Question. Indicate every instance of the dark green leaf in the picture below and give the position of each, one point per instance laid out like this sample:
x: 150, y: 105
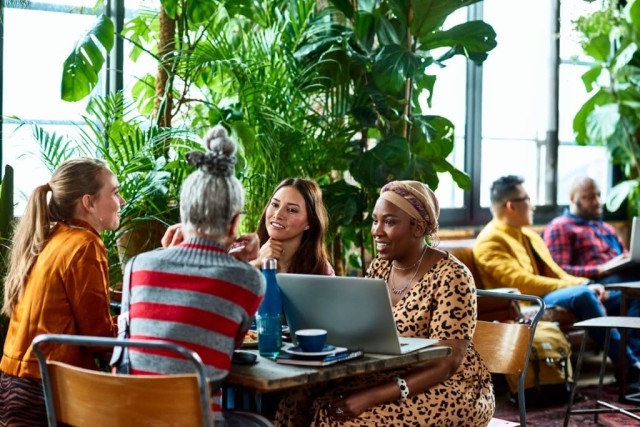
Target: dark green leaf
x: 81, y: 68
x: 364, y: 29
x: 429, y: 15
x: 591, y: 76
x: 343, y: 203
x: 394, y: 65
x: 344, y: 6
x: 601, y: 97
x: 474, y: 36
x: 602, y: 123
x: 386, y: 32
x: 598, y: 47
x: 618, y: 194
x: 385, y: 162
x: 200, y: 11
x: 170, y: 7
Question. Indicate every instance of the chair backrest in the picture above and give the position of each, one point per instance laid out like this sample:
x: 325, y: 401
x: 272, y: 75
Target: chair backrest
x: 505, y: 347
x: 78, y: 396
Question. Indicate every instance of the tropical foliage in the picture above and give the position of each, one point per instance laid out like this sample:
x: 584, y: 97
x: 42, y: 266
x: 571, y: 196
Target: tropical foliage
x: 149, y: 176
x: 328, y: 93
x: 611, y: 117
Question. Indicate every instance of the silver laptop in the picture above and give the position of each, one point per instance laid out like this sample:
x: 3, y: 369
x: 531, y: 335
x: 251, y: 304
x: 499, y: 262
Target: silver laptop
x: 356, y: 312
x: 633, y: 256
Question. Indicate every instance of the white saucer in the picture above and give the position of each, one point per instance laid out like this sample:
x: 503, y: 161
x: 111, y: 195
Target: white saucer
x: 327, y: 350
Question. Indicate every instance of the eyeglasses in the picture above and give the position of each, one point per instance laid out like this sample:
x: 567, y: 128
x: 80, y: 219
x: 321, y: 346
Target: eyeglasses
x: 520, y: 199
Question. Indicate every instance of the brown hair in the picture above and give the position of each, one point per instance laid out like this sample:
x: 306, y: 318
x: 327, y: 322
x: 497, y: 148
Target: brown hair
x: 311, y: 257
x: 69, y: 182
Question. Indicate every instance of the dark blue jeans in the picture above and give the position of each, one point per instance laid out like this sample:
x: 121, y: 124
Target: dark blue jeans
x: 584, y: 303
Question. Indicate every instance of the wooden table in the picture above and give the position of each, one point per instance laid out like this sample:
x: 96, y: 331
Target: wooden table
x: 268, y: 376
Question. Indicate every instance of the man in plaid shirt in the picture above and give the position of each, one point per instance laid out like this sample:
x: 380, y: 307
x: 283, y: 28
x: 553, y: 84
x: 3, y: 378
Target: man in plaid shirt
x: 580, y: 241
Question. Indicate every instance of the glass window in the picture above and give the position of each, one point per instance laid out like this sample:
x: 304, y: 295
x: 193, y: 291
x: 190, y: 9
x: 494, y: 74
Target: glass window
x: 574, y: 160
x: 449, y: 100
x: 32, y: 76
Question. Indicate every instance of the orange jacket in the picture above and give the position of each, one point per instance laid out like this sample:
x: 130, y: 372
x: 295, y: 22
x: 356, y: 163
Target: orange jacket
x: 67, y: 292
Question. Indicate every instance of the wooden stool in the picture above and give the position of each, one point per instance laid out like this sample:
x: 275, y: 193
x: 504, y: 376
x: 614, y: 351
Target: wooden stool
x: 608, y: 322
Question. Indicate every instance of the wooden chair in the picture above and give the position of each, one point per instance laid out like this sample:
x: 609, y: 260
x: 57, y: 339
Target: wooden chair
x: 83, y: 397
x: 505, y: 347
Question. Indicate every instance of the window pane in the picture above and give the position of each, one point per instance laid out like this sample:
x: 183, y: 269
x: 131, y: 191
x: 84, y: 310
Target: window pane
x: 575, y: 161
x: 32, y: 77
x: 570, y: 10
x: 449, y: 100
x: 517, y: 97
x: 498, y: 158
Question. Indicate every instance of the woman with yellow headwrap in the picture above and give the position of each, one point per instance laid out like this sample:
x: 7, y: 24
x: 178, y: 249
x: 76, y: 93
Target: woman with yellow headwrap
x: 433, y: 296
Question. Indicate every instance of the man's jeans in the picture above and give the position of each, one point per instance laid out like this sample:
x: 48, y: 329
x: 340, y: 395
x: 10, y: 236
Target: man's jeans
x: 584, y: 303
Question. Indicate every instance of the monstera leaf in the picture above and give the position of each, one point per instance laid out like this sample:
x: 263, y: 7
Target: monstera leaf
x: 82, y: 67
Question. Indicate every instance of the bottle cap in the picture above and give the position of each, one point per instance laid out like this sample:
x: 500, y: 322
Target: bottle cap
x: 269, y: 264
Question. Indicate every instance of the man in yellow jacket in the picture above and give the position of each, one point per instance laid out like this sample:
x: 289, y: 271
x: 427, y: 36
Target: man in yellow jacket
x: 509, y: 254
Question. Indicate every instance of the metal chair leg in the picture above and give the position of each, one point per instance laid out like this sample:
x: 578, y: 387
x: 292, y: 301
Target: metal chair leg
x: 576, y: 375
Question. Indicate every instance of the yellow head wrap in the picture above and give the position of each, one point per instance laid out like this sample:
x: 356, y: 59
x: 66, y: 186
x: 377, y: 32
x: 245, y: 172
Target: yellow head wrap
x: 416, y: 199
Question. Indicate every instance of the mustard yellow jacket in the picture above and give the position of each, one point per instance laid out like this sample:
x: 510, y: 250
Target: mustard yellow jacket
x: 67, y: 292
x: 503, y: 261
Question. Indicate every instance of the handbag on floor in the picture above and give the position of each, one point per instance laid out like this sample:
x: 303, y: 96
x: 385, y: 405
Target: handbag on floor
x: 120, y: 362
x: 549, y: 374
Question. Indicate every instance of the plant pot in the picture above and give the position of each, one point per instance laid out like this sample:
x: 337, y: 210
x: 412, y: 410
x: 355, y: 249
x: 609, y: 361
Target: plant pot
x: 140, y: 236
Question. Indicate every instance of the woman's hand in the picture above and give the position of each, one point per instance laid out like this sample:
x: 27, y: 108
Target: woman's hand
x: 351, y: 406
x: 245, y: 247
x: 600, y: 291
x: 173, y: 236
x: 271, y: 249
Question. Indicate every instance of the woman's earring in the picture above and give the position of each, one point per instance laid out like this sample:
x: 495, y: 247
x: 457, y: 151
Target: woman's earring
x: 307, y: 227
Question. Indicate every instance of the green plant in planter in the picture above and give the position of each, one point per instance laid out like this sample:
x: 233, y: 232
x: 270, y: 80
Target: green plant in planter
x: 374, y: 58
x: 611, y: 117
x: 150, y: 176
x: 318, y: 93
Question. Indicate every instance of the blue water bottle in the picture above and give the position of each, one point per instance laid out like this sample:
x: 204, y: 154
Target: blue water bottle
x: 269, y: 316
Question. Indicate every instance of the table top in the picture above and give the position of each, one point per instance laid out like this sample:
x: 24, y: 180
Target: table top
x: 610, y: 322
x: 631, y: 288
x: 267, y: 375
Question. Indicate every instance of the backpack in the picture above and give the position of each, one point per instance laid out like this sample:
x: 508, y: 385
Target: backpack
x: 549, y: 375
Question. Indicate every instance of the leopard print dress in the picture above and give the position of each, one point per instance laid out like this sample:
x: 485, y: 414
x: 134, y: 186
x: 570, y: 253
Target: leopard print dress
x: 441, y: 305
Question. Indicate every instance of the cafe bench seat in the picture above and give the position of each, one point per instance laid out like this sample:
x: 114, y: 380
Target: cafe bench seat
x: 494, y: 309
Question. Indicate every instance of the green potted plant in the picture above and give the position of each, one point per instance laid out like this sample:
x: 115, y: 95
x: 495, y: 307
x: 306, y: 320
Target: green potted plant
x: 150, y: 176
x: 611, y: 116
x: 314, y: 91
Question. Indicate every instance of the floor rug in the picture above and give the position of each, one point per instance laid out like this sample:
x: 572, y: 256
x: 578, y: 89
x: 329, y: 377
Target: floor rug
x: 553, y: 416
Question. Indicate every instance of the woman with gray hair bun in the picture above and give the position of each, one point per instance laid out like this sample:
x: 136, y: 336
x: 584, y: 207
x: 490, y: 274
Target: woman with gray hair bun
x: 195, y: 293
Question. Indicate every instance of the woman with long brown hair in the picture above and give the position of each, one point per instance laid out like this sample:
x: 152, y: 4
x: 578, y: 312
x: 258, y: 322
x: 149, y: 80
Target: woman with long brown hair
x: 292, y: 228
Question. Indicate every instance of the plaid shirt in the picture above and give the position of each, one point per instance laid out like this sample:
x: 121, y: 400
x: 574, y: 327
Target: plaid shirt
x: 580, y: 245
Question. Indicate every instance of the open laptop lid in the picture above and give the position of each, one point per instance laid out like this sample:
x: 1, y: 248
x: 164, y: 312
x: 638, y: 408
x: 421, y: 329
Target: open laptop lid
x: 355, y: 311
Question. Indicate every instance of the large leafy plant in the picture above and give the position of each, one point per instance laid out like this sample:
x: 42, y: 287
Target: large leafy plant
x: 326, y: 93
x: 373, y: 59
x: 611, y: 117
x: 149, y: 176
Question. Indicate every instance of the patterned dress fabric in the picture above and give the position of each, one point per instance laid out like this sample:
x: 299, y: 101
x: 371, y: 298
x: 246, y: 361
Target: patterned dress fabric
x: 441, y: 305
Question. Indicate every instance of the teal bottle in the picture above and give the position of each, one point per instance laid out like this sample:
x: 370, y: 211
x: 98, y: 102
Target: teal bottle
x: 269, y: 316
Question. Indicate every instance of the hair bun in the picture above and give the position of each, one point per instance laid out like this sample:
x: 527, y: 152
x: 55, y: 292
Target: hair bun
x: 220, y: 158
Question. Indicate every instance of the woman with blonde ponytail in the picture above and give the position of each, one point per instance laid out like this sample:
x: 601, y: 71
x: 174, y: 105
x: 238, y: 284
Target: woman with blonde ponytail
x: 57, y: 280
